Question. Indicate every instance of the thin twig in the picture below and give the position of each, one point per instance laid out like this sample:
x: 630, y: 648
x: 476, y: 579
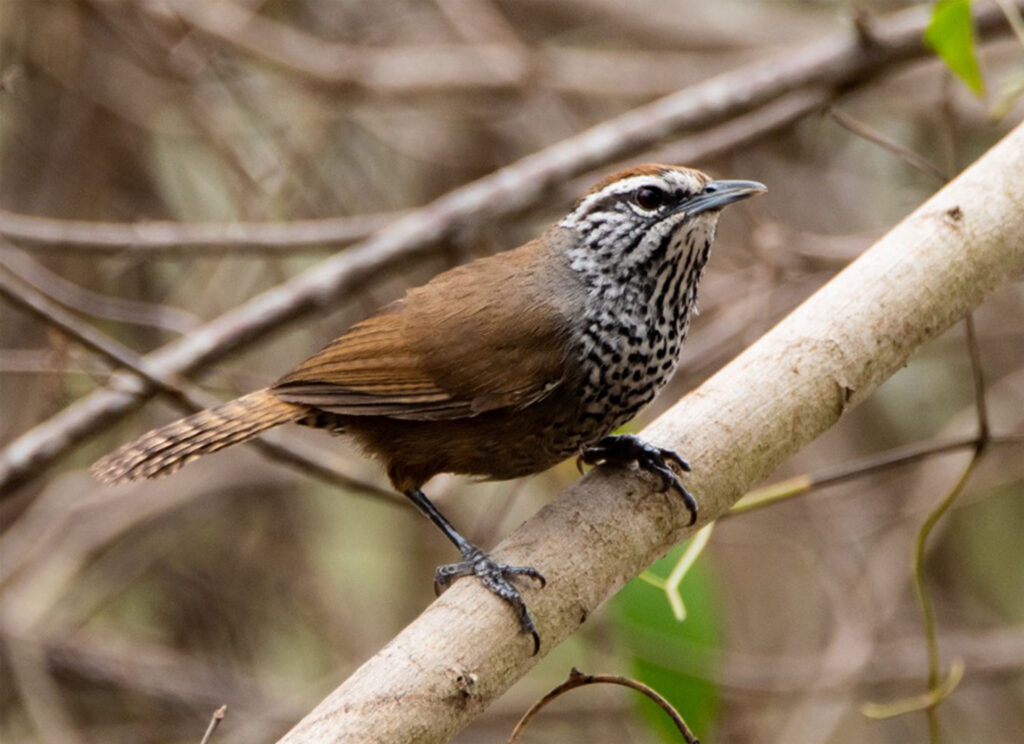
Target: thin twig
x: 95, y: 304
x: 215, y: 719
x: 926, y: 701
x: 152, y: 670
x: 190, y: 239
x: 186, y: 396
x: 578, y: 679
x: 908, y: 156
x: 923, y: 598
x: 797, y: 485
x: 1013, y: 17
x: 493, y: 66
x: 724, y: 138
x: 480, y: 22
x: 49, y: 362
x: 259, y: 239
x: 978, y: 378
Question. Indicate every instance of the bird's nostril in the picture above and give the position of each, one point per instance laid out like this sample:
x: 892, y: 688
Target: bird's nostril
x: 711, y: 188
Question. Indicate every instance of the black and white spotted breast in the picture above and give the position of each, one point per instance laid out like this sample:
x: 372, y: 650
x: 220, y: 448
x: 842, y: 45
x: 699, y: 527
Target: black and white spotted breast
x: 634, y: 333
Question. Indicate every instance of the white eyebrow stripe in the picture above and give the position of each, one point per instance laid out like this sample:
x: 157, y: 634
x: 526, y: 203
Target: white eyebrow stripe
x: 668, y: 179
x: 630, y: 184
x: 617, y: 188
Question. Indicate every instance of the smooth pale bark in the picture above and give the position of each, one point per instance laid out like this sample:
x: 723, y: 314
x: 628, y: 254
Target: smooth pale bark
x: 795, y: 382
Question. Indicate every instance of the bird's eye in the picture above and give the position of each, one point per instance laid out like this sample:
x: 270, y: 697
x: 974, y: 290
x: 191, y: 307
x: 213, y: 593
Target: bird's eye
x: 649, y: 197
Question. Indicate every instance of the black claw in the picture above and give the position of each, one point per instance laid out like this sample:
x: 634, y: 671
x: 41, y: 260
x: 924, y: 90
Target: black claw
x: 674, y: 457
x: 626, y: 448
x: 476, y: 562
x: 495, y: 576
x: 530, y: 571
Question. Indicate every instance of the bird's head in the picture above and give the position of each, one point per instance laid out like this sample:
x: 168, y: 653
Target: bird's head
x: 637, y: 219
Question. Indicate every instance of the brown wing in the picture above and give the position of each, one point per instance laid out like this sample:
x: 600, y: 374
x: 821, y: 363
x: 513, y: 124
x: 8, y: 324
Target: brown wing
x: 476, y: 338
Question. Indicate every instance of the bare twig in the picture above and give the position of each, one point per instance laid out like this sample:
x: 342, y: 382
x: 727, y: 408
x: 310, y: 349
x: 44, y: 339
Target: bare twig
x: 188, y: 397
x: 920, y: 587
x: 908, y: 156
x: 579, y: 679
x: 924, y: 599
x: 978, y: 378
x: 1013, y: 17
x: 39, y: 692
x: 727, y: 137
x: 259, y: 239
x: 480, y: 21
x: 836, y: 63
x: 495, y: 65
x: 148, y: 669
x: 905, y: 455
x: 703, y: 27
x: 215, y: 719
x: 92, y: 303
x: 176, y: 238
x: 48, y: 361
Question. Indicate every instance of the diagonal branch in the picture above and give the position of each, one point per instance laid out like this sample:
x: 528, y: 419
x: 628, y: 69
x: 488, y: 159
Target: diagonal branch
x: 176, y: 238
x: 785, y: 390
x: 188, y: 397
x: 262, y: 239
x: 835, y: 63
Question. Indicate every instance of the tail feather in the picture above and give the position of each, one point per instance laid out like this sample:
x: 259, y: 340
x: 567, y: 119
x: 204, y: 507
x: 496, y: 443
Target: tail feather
x: 168, y: 448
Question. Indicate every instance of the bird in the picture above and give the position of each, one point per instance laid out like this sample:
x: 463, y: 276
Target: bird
x: 504, y: 366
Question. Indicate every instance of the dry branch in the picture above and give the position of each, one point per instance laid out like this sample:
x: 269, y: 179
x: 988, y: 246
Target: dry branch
x: 498, y: 65
x: 836, y: 63
x: 258, y: 239
x: 159, y: 236
x: 828, y: 355
x: 188, y: 397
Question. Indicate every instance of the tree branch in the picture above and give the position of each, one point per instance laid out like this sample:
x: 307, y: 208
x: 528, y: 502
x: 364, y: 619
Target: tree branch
x: 197, y: 238
x: 492, y: 65
x: 794, y: 383
x: 188, y: 397
x: 262, y: 239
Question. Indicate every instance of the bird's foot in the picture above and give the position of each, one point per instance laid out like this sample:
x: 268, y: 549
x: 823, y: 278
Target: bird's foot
x: 495, y: 576
x: 624, y: 449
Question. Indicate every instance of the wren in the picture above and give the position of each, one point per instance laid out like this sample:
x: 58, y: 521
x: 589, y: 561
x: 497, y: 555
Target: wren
x: 502, y: 367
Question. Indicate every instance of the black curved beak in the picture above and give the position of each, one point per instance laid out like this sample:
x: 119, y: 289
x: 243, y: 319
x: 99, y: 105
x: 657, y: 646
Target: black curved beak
x: 719, y: 194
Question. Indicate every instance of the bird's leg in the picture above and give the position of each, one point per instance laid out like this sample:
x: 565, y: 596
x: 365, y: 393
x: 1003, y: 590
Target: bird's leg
x: 475, y: 561
x: 623, y: 449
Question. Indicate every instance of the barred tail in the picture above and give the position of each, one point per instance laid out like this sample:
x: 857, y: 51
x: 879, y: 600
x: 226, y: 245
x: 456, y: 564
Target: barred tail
x: 164, y: 450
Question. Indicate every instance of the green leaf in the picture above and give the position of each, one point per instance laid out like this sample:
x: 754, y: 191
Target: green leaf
x: 678, y: 659
x: 951, y: 34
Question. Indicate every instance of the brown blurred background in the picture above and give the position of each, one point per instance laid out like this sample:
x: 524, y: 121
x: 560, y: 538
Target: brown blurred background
x: 129, y: 615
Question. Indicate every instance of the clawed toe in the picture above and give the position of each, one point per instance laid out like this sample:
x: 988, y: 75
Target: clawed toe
x: 475, y: 562
x: 495, y: 576
x: 626, y: 448
x: 672, y: 455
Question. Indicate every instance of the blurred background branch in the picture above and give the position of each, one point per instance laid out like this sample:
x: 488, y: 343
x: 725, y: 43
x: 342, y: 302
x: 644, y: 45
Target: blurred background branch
x: 189, y: 398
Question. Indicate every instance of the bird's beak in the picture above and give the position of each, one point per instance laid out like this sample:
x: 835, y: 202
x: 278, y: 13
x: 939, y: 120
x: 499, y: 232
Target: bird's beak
x: 718, y: 194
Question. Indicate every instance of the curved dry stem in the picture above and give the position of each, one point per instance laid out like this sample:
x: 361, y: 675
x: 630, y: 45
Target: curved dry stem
x: 579, y: 679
